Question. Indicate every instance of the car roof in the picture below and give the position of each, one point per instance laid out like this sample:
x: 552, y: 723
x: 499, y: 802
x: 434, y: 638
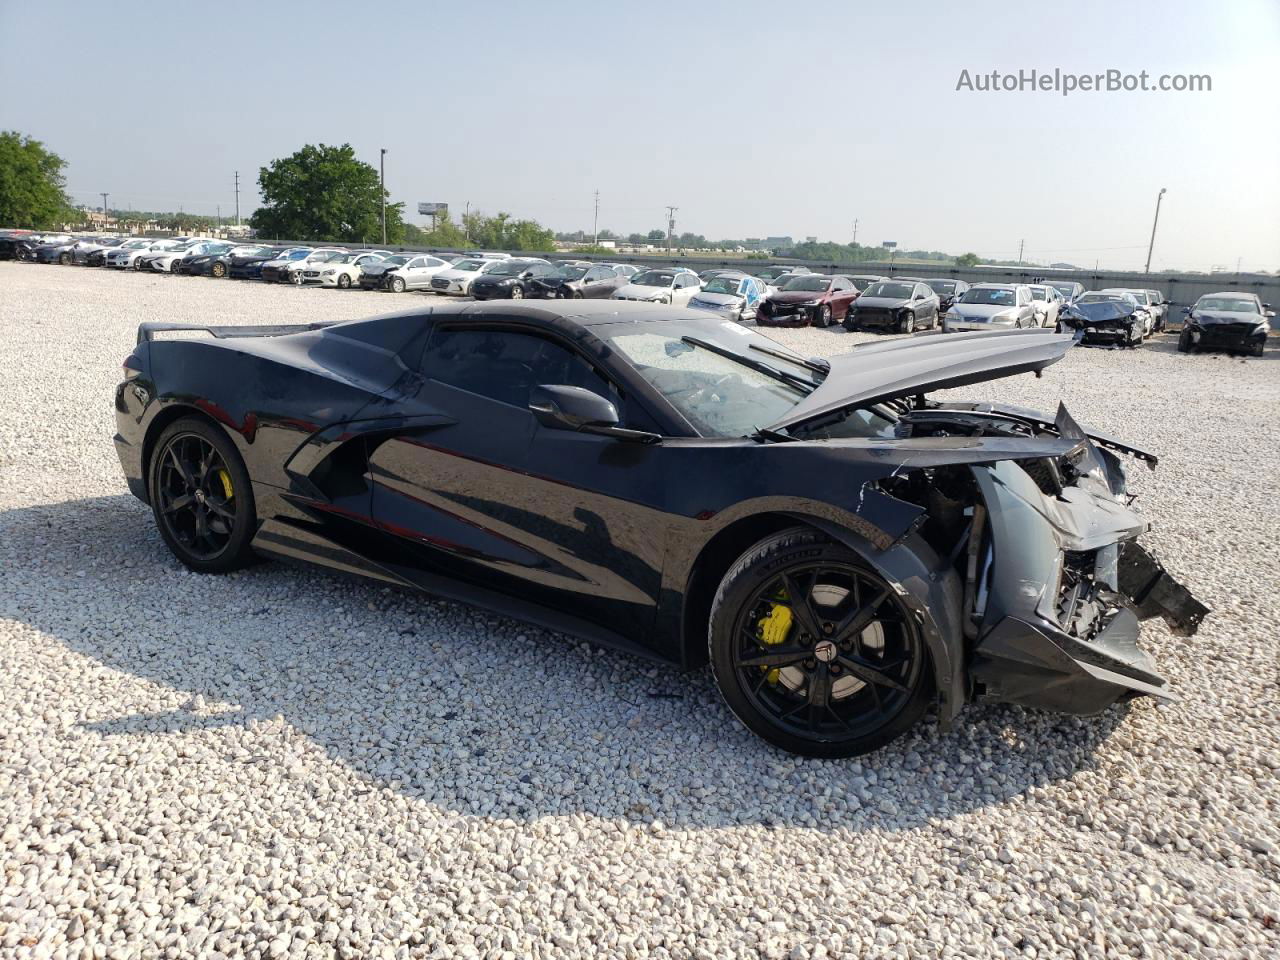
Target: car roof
x: 1229, y: 293
x: 996, y: 286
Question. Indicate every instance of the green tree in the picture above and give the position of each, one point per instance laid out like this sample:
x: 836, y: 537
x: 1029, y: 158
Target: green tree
x: 324, y: 193
x: 967, y: 260
x: 32, y: 188
x: 657, y: 236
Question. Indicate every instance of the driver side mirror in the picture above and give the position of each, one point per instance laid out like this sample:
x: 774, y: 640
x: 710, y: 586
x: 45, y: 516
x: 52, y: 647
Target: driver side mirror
x: 579, y: 410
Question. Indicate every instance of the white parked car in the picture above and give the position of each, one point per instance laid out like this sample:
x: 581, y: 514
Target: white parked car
x: 403, y: 271
x: 661, y: 286
x: 292, y: 272
x: 341, y: 270
x: 457, y: 280
x: 166, y: 261
x: 126, y: 255
x: 1047, y: 302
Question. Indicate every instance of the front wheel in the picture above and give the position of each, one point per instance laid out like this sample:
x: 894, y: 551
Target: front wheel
x: 907, y: 324
x: 517, y: 292
x: 344, y: 281
x: 64, y: 258
x: 824, y: 316
x: 173, y: 267
x: 397, y: 284
x: 201, y: 497
x: 218, y: 270
x: 814, y: 651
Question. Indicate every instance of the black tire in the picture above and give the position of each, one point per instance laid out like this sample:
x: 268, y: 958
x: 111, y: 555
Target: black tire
x: 1258, y: 348
x: 907, y: 323
x: 397, y: 284
x: 218, y: 270
x: 201, y: 497
x: 344, y: 281
x: 173, y: 267
x: 824, y: 316
x: 517, y: 292
x: 858, y: 638
x: 64, y: 258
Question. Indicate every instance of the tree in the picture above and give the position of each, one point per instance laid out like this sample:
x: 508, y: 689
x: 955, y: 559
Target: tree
x: 32, y: 188
x: 324, y: 193
x: 657, y: 236
x: 967, y: 260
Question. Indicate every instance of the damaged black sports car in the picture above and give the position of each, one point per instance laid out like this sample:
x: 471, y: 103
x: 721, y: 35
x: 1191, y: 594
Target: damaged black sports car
x: 843, y: 550
x: 1109, y: 319
x: 1227, y: 321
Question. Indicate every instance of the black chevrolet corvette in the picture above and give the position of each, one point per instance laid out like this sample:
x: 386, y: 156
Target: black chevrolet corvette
x: 844, y: 550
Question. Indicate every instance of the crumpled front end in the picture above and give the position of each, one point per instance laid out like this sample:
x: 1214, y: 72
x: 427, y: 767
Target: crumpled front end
x: 1056, y: 584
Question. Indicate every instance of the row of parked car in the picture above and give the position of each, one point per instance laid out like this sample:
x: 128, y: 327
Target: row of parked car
x: 774, y: 295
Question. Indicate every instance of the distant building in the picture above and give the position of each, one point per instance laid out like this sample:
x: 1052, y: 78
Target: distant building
x: 779, y: 243
x: 810, y: 239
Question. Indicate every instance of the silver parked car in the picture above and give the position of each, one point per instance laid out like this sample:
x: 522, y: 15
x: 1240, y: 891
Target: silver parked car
x: 988, y: 306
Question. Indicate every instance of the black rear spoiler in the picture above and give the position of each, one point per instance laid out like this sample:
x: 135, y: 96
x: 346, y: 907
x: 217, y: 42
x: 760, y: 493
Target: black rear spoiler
x: 147, y: 331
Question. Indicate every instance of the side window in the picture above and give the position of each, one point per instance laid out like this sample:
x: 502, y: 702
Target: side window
x: 432, y: 262
x: 504, y: 365
x: 414, y: 263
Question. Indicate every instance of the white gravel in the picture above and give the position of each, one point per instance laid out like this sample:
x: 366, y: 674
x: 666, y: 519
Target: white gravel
x: 282, y: 763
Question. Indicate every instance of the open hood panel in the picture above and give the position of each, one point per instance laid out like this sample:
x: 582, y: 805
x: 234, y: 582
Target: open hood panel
x: 879, y: 372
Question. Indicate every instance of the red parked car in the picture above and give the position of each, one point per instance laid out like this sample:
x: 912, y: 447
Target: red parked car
x: 809, y: 300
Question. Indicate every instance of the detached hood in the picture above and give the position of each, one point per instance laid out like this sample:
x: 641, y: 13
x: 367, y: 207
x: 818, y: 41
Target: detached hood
x: 890, y: 370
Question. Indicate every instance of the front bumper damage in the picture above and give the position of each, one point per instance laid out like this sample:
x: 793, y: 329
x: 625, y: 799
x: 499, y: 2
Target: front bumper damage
x: 1059, y: 586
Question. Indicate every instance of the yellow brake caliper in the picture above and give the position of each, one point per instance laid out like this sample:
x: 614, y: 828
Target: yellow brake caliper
x: 772, y: 629
x: 227, y: 490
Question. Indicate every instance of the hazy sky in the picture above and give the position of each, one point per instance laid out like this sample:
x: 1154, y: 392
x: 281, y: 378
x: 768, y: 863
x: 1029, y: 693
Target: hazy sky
x: 754, y: 119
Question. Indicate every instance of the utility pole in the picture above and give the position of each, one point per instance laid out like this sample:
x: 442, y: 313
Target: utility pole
x: 671, y: 226
x: 219, y: 209
x: 382, y: 181
x: 466, y: 229
x: 855, y: 232
x: 595, y: 223
x: 104, y: 210
x: 1152, y: 245
x: 1020, y: 244
x: 237, y: 198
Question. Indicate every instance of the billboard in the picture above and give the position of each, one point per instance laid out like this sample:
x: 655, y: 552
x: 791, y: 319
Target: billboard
x: 432, y: 209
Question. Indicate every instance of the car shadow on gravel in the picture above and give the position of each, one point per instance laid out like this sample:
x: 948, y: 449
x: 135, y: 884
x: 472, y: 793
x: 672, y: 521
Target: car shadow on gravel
x: 507, y: 721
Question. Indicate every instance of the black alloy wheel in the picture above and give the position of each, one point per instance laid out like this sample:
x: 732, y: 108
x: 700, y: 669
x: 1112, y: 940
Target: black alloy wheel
x: 174, y: 266
x: 201, y: 497
x: 814, y: 651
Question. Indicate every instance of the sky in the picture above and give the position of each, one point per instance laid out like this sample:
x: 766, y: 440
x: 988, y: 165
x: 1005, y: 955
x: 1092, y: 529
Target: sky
x: 753, y: 119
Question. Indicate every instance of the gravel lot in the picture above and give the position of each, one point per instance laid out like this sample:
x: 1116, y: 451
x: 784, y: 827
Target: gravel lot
x: 284, y: 763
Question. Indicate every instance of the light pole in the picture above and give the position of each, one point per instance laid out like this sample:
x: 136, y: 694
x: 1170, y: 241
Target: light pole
x: 382, y: 184
x: 1151, y: 246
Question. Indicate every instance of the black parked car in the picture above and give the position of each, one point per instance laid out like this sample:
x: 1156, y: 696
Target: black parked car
x: 901, y: 306
x: 947, y: 290
x: 1226, y: 321
x: 1106, y: 319
x: 248, y: 265
x: 512, y: 280
x: 845, y: 550
x: 576, y: 282
x: 201, y: 263
x: 95, y: 255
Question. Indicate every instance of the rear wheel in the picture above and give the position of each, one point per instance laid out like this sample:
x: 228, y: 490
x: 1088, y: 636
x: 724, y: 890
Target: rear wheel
x: 814, y: 651
x: 201, y: 497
